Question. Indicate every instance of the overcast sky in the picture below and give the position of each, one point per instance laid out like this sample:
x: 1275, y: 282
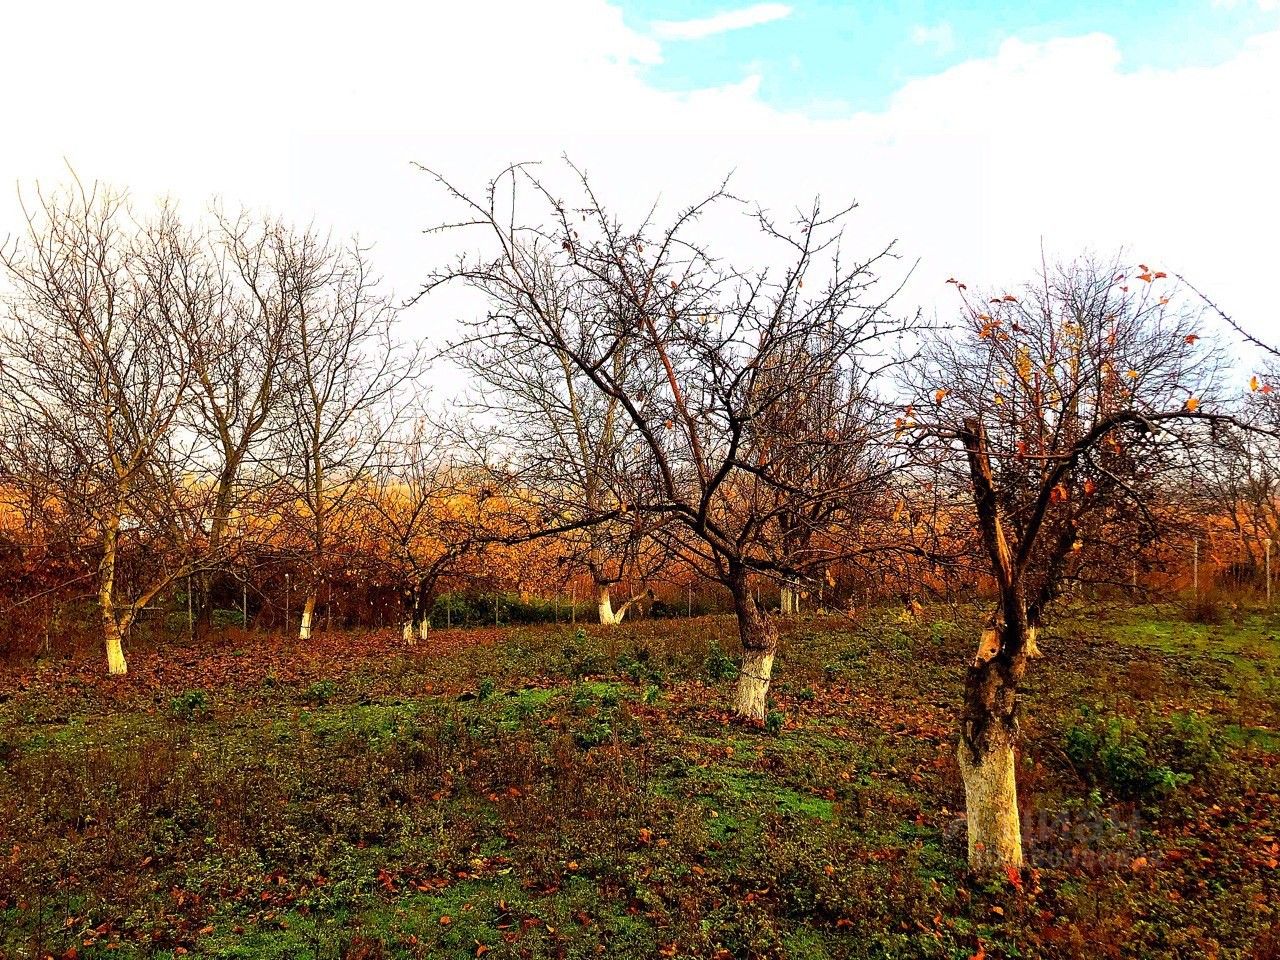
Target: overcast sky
x: 968, y: 132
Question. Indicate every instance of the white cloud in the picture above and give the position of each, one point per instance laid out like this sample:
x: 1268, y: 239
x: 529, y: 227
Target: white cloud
x: 939, y: 37
x: 752, y: 16
x: 317, y: 110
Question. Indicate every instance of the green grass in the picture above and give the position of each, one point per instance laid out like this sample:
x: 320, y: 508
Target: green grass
x: 529, y: 791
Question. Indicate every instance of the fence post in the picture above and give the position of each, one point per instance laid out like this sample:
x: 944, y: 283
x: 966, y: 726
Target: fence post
x: 1267, y: 544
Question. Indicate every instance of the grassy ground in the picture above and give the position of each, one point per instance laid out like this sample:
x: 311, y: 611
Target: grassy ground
x: 546, y: 793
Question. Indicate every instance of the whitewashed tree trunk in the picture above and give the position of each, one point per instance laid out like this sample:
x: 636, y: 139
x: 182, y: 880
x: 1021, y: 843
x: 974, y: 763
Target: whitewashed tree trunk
x: 991, y: 806
x: 759, y: 646
x: 406, y: 632
x: 751, y: 699
x: 787, y: 601
x: 988, y: 735
x: 424, y: 627
x: 116, y: 664
x: 604, y: 604
x: 308, y: 610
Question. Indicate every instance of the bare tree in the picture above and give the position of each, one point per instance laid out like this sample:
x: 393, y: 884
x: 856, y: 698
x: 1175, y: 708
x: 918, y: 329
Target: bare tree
x: 234, y: 339
x: 565, y: 443
x: 346, y: 380
x: 94, y: 367
x: 708, y: 351
x: 432, y: 506
x: 1064, y: 408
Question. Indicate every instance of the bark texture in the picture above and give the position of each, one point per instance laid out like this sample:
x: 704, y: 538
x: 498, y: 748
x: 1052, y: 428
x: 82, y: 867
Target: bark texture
x: 308, y: 611
x: 759, y: 646
x: 991, y: 805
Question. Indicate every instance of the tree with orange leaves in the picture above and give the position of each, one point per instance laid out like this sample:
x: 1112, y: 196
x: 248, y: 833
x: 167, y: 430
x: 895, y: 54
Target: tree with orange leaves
x: 1061, y: 410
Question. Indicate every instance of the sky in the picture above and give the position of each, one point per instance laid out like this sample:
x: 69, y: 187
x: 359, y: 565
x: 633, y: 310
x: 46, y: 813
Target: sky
x: 972, y: 134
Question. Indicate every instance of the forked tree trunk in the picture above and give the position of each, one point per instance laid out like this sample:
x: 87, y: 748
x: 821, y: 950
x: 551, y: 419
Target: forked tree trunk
x: 308, y: 610
x: 989, y: 717
x: 759, y: 647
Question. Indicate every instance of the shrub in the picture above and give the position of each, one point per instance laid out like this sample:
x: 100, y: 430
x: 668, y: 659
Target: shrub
x: 720, y: 666
x: 774, y: 722
x: 228, y: 617
x: 1113, y: 753
x: 1205, y: 608
x: 320, y: 692
x: 189, y: 703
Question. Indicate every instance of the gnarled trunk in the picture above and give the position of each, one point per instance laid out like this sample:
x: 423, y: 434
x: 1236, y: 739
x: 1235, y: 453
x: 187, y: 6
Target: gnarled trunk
x: 759, y: 647
x: 412, y: 615
x: 988, y: 737
x: 308, y: 610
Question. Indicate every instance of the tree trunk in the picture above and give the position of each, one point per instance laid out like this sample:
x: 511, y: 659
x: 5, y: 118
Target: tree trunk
x: 759, y: 646
x: 116, y: 664
x: 787, y: 601
x: 308, y: 609
x: 991, y: 806
x: 409, y: 596
x: 604, y: 604
x: 988, y: 735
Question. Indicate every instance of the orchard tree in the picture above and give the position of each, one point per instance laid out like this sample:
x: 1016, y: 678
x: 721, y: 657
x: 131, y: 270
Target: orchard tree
x: 1066, y: 410
x: 431, y: 506
x: 692, y: 356
x: 95, y: 376
x: 240, y: 276
x: 566, y: 443
x: 345, y: 379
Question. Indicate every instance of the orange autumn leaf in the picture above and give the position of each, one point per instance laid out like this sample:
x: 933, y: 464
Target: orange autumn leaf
x: 1015, y: 877
x: 1192, y: 337
x: 1192, y: 404
x: 940, y: 395
x: 1253, y: 382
